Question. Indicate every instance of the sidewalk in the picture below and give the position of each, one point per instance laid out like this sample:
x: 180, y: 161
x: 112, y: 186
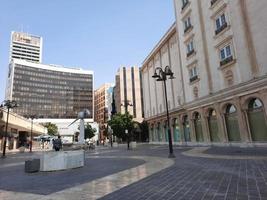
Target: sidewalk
x: 142, y: 173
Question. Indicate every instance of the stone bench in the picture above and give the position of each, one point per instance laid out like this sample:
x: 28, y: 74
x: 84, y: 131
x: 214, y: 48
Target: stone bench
x: 60, y: 160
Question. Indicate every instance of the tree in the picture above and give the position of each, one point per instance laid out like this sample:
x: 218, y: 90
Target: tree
x: 51, y: 128
x: 119, y: 123
x: 89, y: 131
x: 144, y: 131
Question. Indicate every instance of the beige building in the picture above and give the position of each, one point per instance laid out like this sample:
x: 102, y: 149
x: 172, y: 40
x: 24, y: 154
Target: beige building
x: 101, y: 106
x: 128, y: 92
x: 19, y: 129
x: 216, y: 50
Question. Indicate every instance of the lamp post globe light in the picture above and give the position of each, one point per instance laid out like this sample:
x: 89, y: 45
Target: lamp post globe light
x: 161, y: 75
x: 7, y: 104
x: 32, y: 117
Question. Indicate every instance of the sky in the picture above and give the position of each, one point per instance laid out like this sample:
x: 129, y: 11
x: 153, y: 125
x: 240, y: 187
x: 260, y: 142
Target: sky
x: 98, y: 35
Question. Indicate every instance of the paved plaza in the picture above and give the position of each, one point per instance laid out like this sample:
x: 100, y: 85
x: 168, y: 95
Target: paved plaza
x: 143, y: 173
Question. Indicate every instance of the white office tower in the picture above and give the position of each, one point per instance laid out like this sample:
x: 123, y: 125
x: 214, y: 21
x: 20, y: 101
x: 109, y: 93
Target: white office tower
x: 25, y: 46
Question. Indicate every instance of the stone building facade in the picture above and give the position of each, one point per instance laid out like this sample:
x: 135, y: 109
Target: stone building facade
x: 128, y: 92
x: 216, y: 49
x: 101, y: 104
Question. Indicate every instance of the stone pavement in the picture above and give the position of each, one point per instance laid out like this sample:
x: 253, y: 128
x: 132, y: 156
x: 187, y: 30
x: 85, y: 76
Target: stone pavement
x: 144, y: 173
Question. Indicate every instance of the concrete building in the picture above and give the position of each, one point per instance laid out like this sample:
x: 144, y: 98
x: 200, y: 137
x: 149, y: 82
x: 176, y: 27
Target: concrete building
x: 128, y: 92
x: 102, y: 105
x: 25, y: 46
x: 216, y: 50
x: 19, y: 129
x: 53, y: 93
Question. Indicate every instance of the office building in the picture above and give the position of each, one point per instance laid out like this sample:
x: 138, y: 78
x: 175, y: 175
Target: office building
x: 101, y: 104
x: 26, y: 47
x: 128, y: 92
x: 216, y: 50
x: 53, y: 93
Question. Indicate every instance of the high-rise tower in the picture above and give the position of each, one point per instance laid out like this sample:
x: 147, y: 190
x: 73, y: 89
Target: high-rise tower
x: 25, y: 46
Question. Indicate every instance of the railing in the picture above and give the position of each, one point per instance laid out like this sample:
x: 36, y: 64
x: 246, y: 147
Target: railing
x: 188, y: 28
x: 190, y: 53
x: 193, y: 78
x: 213, y: 2
x: 224, y: 26
x: 184, y: 5
x: 226, y: 61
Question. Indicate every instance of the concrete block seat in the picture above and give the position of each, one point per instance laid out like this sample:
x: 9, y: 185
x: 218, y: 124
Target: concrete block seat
x: 61, y: 160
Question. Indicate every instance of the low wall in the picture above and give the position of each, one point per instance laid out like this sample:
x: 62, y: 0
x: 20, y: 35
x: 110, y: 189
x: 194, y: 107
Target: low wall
x: 60, y: 160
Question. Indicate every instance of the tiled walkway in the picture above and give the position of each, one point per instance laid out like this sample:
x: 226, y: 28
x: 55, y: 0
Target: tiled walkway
x: 144, y: 173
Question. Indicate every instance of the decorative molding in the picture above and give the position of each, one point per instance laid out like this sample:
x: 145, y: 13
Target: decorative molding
x: 192, y: 64
x: 219, y: 11
x: 224, y: 42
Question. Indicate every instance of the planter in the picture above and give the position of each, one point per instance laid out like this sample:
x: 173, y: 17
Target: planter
x: 22, y: 149
x: 133, y: 145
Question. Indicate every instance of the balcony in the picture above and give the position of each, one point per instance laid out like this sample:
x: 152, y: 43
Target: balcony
x: 184, y: 5
x: 187, y: 29
x: 226, y: 61
x: 212, y: 2
x: 193, y: 78
x: 190, y: 53
x: 224, y: 26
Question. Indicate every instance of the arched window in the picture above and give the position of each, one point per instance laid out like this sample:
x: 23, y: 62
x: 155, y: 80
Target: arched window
x: 176, y: 130
x: 230, y: 109
x: 257, y: 120
x: 232, y: 124
x: 213, y: 126
x: 212, y: 113
x: 254, y: 104
x: 198, y: 127
x: 186, y: 129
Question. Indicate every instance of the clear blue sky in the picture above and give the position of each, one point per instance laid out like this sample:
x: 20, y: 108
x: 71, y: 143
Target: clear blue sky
x: 99, y: 35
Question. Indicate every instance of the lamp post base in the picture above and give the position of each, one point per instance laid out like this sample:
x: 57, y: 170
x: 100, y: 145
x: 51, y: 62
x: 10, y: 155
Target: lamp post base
x: 171, y: 155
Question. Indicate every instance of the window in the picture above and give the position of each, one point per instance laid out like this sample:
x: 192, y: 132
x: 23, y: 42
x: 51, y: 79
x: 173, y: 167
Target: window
x: 226, y: 55
x: 225, y: 52
x: 190, y: 48
x: 220, y: 23
x: 193, y: 74
x: 184, y: 2
x: 213, y: 2
x: 187, y: 24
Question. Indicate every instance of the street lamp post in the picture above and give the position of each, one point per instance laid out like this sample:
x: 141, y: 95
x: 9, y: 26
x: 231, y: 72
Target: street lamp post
x: 126, y: 104
x: 8, y: 104
x: 31, y: 117
x: 161, y: 75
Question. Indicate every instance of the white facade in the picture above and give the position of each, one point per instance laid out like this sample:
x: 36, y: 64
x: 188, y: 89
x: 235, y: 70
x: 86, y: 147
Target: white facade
x: 219, y: 61
x: 26, y: 46
x: 128, y: 92
x: 68, y: 131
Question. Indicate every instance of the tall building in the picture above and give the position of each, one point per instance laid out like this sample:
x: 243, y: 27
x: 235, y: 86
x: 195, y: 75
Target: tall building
x: 128, y: 92
x: 217, y: 54
x: 101, y: 104
x: 52, y: 93
x: 25, y: 46
x: 49, y: 91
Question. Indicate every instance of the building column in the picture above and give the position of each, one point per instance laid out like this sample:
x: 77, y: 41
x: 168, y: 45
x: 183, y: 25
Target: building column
x: 241, y: 122
x: 221, y: 124
x: 205, y: 126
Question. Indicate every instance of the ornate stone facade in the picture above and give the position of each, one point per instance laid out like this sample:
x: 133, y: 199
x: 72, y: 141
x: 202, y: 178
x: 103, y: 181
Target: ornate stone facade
x: 219, y: 95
